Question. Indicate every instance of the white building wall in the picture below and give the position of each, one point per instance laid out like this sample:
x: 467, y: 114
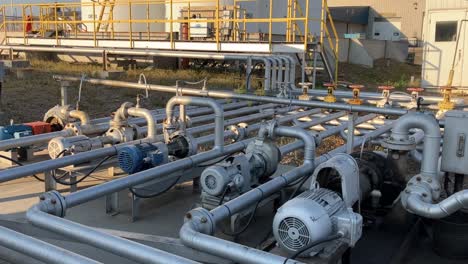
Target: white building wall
x: 445, y: 4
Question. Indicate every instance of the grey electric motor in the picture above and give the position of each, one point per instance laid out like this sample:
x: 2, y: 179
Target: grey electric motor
x: 313, y: 216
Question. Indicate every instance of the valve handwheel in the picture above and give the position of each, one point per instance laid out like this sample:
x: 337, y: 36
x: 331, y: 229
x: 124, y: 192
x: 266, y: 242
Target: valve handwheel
x: 330, y: 98
x: 356, y: 92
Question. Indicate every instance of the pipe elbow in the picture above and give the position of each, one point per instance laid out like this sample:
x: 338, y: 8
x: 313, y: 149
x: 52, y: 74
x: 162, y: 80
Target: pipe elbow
x: 425, y: 122
x: 301, y: 134
x: 416, y: 204
x: 81, y: 115
x: 150, y: 121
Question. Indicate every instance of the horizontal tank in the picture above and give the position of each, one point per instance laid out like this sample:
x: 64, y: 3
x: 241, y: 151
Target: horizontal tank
x: 139, y: 11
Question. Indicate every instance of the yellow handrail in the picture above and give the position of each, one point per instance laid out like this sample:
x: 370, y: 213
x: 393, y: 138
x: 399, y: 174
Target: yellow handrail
x: 296, y: 31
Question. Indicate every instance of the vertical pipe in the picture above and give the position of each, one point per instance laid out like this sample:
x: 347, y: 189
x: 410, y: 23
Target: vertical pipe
x: 218, y: 44
x: 148, y: 27
x: 306, y: 26
x: 351, y: 125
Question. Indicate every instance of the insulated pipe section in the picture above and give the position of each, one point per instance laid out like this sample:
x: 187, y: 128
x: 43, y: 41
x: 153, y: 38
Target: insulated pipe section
x: 217, y: 108
x: 40, y: 250
x: 231, y: 95
x: 116, y: 245
x: 195, y: 233
x: 150, y: 121
x: 432, y: 137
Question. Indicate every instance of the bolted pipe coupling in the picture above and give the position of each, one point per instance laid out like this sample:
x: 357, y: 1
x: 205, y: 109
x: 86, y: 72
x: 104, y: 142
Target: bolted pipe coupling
x: 53, y: 203
x: 425, y: 187
x: 202, y: 220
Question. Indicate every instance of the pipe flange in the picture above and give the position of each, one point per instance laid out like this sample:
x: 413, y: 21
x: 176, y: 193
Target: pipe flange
x: 202, y: 219
x: 425, y: 187
x: 399, y: 143
x: 270, y: 127
x: 53, y: 203
x: 75, y: 128
x: 239, y: 131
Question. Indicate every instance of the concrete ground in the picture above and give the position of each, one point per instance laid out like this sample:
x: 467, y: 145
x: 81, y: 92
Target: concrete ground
x: 161, y: 218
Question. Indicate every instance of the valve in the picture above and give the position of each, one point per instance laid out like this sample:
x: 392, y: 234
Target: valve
x: 305, y: 91
x: 415, y: 93
x: 330, y: 98
x: 386, y: 89
x: 356, y: 92
x: 446, y: 104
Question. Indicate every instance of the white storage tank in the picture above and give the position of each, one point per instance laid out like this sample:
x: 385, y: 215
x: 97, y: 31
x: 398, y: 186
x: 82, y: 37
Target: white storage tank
x: 139, y: 11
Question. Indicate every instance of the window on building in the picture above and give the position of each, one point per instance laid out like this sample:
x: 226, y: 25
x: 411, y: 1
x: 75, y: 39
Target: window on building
x: 446, y: 31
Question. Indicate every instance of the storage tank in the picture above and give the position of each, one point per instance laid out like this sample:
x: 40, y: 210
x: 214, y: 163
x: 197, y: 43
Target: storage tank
x: 140, y: 11
x: 178, y: 7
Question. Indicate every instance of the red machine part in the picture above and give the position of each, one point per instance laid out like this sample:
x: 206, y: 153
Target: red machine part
x: 39, y: 127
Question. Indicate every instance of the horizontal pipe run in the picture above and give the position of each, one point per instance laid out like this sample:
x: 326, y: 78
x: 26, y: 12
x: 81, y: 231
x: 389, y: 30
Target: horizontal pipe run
x: 190, y: 232
x: 100, y: 126
x: 39, y: 167
x: 40, y: 250
x: 116, y: 245
x: 95, y: 192
x: 231, y: 95
x: 415, y: 204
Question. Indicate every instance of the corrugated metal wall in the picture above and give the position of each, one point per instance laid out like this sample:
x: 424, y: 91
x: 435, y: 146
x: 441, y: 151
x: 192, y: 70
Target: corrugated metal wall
x: 446, y: 4
x: 410, y: 11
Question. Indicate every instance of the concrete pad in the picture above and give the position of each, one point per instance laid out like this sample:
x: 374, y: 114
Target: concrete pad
x: 15, y: 64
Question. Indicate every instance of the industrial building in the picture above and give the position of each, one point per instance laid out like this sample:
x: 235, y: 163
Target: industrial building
x: 445, y: 44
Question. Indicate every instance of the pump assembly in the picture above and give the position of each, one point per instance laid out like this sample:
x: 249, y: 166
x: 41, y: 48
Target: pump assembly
x: 221, y: 177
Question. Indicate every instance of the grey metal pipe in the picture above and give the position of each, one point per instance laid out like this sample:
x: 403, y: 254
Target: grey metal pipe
x: 417, y: 205
x: 218, y: 114
x: 116, y: 245
x: 205, y: 221
x: 231, y: 95
x: 150, y: 120
x: 40, y: 250
x: 32, y: 140
x: 432, y: 137
x: 81, y: 115
x: 191, y: 233
x: 101, y: 125
x: 39, y: 167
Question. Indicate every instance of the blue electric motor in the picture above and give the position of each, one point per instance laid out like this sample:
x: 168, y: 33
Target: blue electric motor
x: 15, y: 131
x: 136, y: 158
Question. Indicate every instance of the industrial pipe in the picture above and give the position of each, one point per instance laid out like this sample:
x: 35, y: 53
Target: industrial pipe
x: 195, y: 233
x: 39, y: 249
x: 150, y: 120
x: 432, y: 137
x: 39, y: 217
x: 416, y: 204
x: 217, y: 109
x: 231, y: 95
x: 81, y: 115
x: 202, y: 223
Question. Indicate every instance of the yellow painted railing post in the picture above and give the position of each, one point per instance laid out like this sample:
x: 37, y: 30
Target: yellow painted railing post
x: 5, y: 25
x: 189, y: 17
x: 218, y: 44
x: 94, y: 24
x: 270, y: 27
x: 244, y: 36
x: 171, y: 36
x: 148, y: 27
x: 323, y: 22
x: 131, y: 22
x: 306, y: 26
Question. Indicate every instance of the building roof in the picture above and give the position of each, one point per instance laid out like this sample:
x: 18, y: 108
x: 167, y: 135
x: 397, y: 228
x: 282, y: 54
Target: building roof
x: 351, y: 14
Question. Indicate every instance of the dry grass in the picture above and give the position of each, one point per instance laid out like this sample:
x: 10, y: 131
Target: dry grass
x: 27, y: 100
x: 394, y: 73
